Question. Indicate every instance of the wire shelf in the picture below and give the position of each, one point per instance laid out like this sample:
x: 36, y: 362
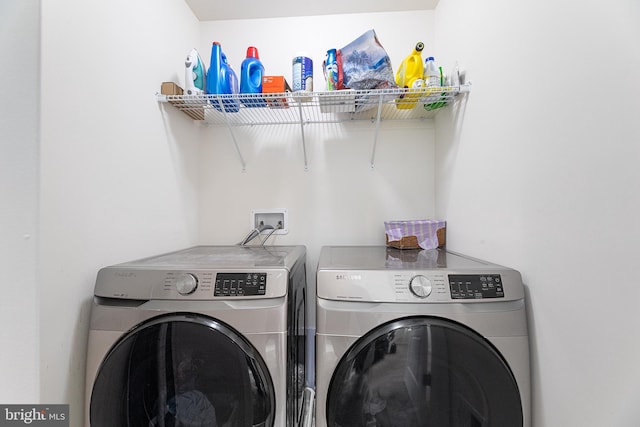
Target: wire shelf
x: 316, y: 107
x: 303, y: 108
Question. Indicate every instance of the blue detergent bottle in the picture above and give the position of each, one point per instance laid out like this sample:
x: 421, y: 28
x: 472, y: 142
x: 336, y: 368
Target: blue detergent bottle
x: 251, y: 72
x: 222, y: 80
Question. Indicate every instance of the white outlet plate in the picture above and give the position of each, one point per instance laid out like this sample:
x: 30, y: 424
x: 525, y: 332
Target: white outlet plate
x: 271, y: 217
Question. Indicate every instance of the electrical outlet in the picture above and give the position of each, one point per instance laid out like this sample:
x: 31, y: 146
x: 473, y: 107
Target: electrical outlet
x: 272, y: 217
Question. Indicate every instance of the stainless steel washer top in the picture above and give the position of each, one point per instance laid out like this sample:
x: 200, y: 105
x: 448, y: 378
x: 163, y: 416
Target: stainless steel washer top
x: 223, y: 257
x: 381, y: 258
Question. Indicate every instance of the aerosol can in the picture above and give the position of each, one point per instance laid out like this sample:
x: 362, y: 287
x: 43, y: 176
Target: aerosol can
x: 195, y: 74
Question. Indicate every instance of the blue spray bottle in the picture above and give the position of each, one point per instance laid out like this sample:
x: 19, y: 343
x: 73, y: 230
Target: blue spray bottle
x: 251, y: 73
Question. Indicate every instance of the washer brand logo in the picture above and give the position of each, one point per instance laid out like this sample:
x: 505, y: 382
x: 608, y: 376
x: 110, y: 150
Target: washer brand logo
x: 125, y: 274
x: 40, y: 415
x: 348, y: 277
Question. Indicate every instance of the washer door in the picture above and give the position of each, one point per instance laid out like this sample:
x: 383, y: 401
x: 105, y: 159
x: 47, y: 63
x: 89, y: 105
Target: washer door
x: 182, y: 370
x: 423, y: 372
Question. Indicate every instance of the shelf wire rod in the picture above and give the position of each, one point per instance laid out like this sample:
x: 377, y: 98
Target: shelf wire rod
x: 233, y: 135
x: 304, y: 143
x: 375, y: 135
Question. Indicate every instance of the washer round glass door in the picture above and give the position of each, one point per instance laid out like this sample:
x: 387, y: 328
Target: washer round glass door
x: 423, y: 372
x: 182, y: 370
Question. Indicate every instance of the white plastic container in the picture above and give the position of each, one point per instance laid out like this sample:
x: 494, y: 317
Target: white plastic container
x: 431, y: 73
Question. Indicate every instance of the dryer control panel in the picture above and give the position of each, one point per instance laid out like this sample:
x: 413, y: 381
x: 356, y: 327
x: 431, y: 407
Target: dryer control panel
x: 240, y: 284
x: 475, y: 286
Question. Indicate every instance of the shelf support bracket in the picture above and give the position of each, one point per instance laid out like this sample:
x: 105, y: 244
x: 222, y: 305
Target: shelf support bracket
x: 233, y: 135
x: 304, y: 143
x: 375, y: 135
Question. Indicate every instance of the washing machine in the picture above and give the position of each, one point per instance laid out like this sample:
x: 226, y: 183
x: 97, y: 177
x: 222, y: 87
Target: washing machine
x: 209, y: 336
x: 411, y: 338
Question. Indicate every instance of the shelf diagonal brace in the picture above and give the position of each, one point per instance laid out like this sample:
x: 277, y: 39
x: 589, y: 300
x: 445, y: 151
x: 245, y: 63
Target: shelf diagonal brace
x: 304, y: 142
x: 233, y: 135
x: 375, y: 135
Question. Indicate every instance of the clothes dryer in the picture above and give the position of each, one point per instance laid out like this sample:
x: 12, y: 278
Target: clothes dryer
x: 419, y: 338
x: 208, y: 336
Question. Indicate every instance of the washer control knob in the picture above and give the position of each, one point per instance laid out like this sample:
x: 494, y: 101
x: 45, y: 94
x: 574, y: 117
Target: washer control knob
x: 186, y: 283
x: 420, y: 286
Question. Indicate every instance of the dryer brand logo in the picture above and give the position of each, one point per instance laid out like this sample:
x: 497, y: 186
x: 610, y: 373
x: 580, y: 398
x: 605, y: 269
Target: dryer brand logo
x: 38, y: 415
x: 348, y: 277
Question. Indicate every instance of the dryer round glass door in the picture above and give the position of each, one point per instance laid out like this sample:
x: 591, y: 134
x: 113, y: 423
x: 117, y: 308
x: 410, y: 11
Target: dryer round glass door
x: 183, y: 370
x: 423, y: 372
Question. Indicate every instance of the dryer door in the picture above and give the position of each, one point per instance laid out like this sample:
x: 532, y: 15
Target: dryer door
x: 423, y: 372
x: 185, y: 370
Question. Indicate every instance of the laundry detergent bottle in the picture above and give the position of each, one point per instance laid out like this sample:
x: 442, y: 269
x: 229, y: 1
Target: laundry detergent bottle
x: 222, y: 80
x: 251, y: 72
x: 433, y: 79
x: 410, y: 76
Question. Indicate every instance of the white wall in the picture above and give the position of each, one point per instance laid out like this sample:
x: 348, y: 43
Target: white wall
x: 539, y: 177
x: 19, y: 126
x: 119, y: 174
x: 539, y: 170
x: 340, y: 199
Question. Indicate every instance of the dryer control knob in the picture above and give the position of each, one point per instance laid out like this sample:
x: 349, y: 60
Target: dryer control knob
x: 420, y: 286
x: 186, y: 283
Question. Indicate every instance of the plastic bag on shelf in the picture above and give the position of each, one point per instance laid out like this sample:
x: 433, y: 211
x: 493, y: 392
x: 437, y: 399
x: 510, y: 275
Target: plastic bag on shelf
x: 366, y: 65
x: 363, y: 65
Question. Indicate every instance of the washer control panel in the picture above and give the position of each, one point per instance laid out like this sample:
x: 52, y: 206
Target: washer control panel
x: 240, y: 284
x: 475, y: 286
x: 418, y: 286
x: 193, y: 284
